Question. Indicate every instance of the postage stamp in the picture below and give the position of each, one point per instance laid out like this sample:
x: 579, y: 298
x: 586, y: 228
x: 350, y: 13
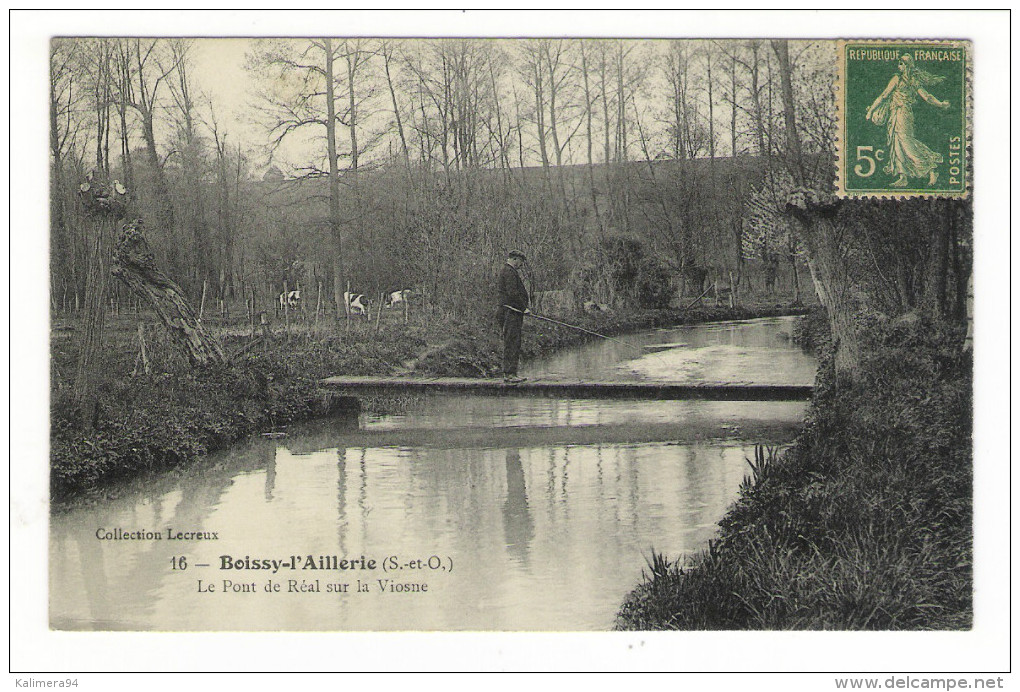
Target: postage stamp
x: 902, y: 119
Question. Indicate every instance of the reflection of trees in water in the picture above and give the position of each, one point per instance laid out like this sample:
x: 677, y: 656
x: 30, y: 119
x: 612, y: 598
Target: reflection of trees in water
x: 138, y: 586
x: 269, y: 464
x: 606, y: 504
x: 550, y: 490
x: 93, y: 574
x: 363, y: 498
x: 518, y: 526
x: 566, y: 475
x: 341, y: 499
x: 628, y: 457
x: 345, y: 519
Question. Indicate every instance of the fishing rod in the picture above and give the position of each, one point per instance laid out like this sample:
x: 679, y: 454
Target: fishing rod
x: 582, y: 329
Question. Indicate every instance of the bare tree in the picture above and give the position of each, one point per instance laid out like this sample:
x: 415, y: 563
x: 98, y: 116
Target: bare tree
x: 305, y: 96
x: 193, y: 162
x: 103, y: 204
x: 153, y: 66
x: 589, y: 103
x: 386, y: 49
x: 65, y: 97
x: 795, y: 160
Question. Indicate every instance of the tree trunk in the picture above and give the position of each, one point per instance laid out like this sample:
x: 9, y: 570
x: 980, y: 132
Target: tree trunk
x: 796, y: 160
x: 353, y: 58
x: 90, y: 350
x: 759, y: 120
x: 387, y: 55
x: 135, y: 265
x: 590, y: 142
x: 334, y: 183
x: 796, y: 281
x: 101, y: 205
x: 936, y: 275
x: 164, y: 207
x: 824, y: 220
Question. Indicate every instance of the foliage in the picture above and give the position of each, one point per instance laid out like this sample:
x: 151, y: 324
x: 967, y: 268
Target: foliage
x: 620, y: 270
x: 866, y: 523
x: 812, y: 332
x: 768, y: 234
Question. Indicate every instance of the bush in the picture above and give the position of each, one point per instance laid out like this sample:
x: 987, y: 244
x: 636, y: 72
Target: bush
x: 634, y: 275
x: 865, y: 523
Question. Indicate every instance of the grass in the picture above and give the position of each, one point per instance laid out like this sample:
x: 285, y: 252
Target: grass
x: 864, y: 524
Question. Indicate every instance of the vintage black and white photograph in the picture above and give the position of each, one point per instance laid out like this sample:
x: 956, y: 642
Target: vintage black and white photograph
x: 509, y: 333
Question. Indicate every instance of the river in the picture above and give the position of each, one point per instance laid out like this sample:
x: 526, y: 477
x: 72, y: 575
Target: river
x: 463, y: 513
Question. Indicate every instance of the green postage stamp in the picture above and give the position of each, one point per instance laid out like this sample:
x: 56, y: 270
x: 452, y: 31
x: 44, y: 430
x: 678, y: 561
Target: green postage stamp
x: 903, y: 118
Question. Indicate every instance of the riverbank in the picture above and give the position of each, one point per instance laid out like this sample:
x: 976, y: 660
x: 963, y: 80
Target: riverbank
x: 173, y: 416
x: 864, y: 524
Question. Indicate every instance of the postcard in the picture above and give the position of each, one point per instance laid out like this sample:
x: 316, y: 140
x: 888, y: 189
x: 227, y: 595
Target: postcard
x: 506, y: 333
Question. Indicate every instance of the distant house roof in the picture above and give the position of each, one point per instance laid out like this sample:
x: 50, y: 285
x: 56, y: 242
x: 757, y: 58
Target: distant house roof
x: 273, y: 174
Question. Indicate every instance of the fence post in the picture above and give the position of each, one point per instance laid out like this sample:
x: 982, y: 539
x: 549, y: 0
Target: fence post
x: 142, y: 354
x: 253, y: 311
x: 347, y: 307
x: 318, y: 303
x: 201, y: 307
x: 286, y: 312
x: 378, y: 312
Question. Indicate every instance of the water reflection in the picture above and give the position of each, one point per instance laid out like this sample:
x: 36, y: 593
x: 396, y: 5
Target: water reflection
x: 752, y: 351
x: 541, y: 538
x: 341, y: 498
x: 117, y: 583
x: 518, y: 527
x: 546, y: 508
x: 270, y: 466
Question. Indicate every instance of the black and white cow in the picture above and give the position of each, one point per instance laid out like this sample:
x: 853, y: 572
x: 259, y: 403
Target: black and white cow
x: 356, y: 304
x: 290, y: 300
x: 397, y: 297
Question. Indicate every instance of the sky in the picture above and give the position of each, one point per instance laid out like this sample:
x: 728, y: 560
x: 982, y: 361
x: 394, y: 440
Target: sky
x: 218, y: 67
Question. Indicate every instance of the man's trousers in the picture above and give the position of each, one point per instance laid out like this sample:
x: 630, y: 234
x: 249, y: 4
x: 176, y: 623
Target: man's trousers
x: 512, y: 324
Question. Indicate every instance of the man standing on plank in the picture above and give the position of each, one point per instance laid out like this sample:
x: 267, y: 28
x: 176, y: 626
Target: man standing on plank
x: 513, y: 304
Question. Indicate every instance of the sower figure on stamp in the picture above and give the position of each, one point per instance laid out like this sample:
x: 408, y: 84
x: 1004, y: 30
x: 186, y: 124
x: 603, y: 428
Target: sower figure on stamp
x: 513, y: 305
x: 909, y: 157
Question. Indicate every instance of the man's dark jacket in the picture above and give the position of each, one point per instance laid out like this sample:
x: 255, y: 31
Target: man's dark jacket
x: 511, y: 291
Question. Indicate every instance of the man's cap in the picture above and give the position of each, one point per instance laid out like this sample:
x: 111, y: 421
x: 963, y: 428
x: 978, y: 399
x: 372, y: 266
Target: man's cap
x: 517, y: 253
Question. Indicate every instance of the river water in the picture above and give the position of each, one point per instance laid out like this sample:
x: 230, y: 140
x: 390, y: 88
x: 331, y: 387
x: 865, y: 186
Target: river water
x: 464, y: 513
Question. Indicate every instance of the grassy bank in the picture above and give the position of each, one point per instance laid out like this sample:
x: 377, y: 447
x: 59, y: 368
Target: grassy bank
x: 865, y: 523
x: 174, y: 415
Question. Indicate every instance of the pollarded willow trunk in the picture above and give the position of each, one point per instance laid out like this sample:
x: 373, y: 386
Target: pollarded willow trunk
x: 826, y: 225
x: 135, y: 265
x: 102, y: 203
x: 879, y: 259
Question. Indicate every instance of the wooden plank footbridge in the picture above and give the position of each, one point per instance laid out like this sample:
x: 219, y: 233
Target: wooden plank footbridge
x: 568, y: 388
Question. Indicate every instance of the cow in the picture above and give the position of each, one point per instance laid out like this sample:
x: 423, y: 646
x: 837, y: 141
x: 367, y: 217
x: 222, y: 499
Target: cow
x: 356, y: 304
x: 290, y: 300
x: 397, y: 297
